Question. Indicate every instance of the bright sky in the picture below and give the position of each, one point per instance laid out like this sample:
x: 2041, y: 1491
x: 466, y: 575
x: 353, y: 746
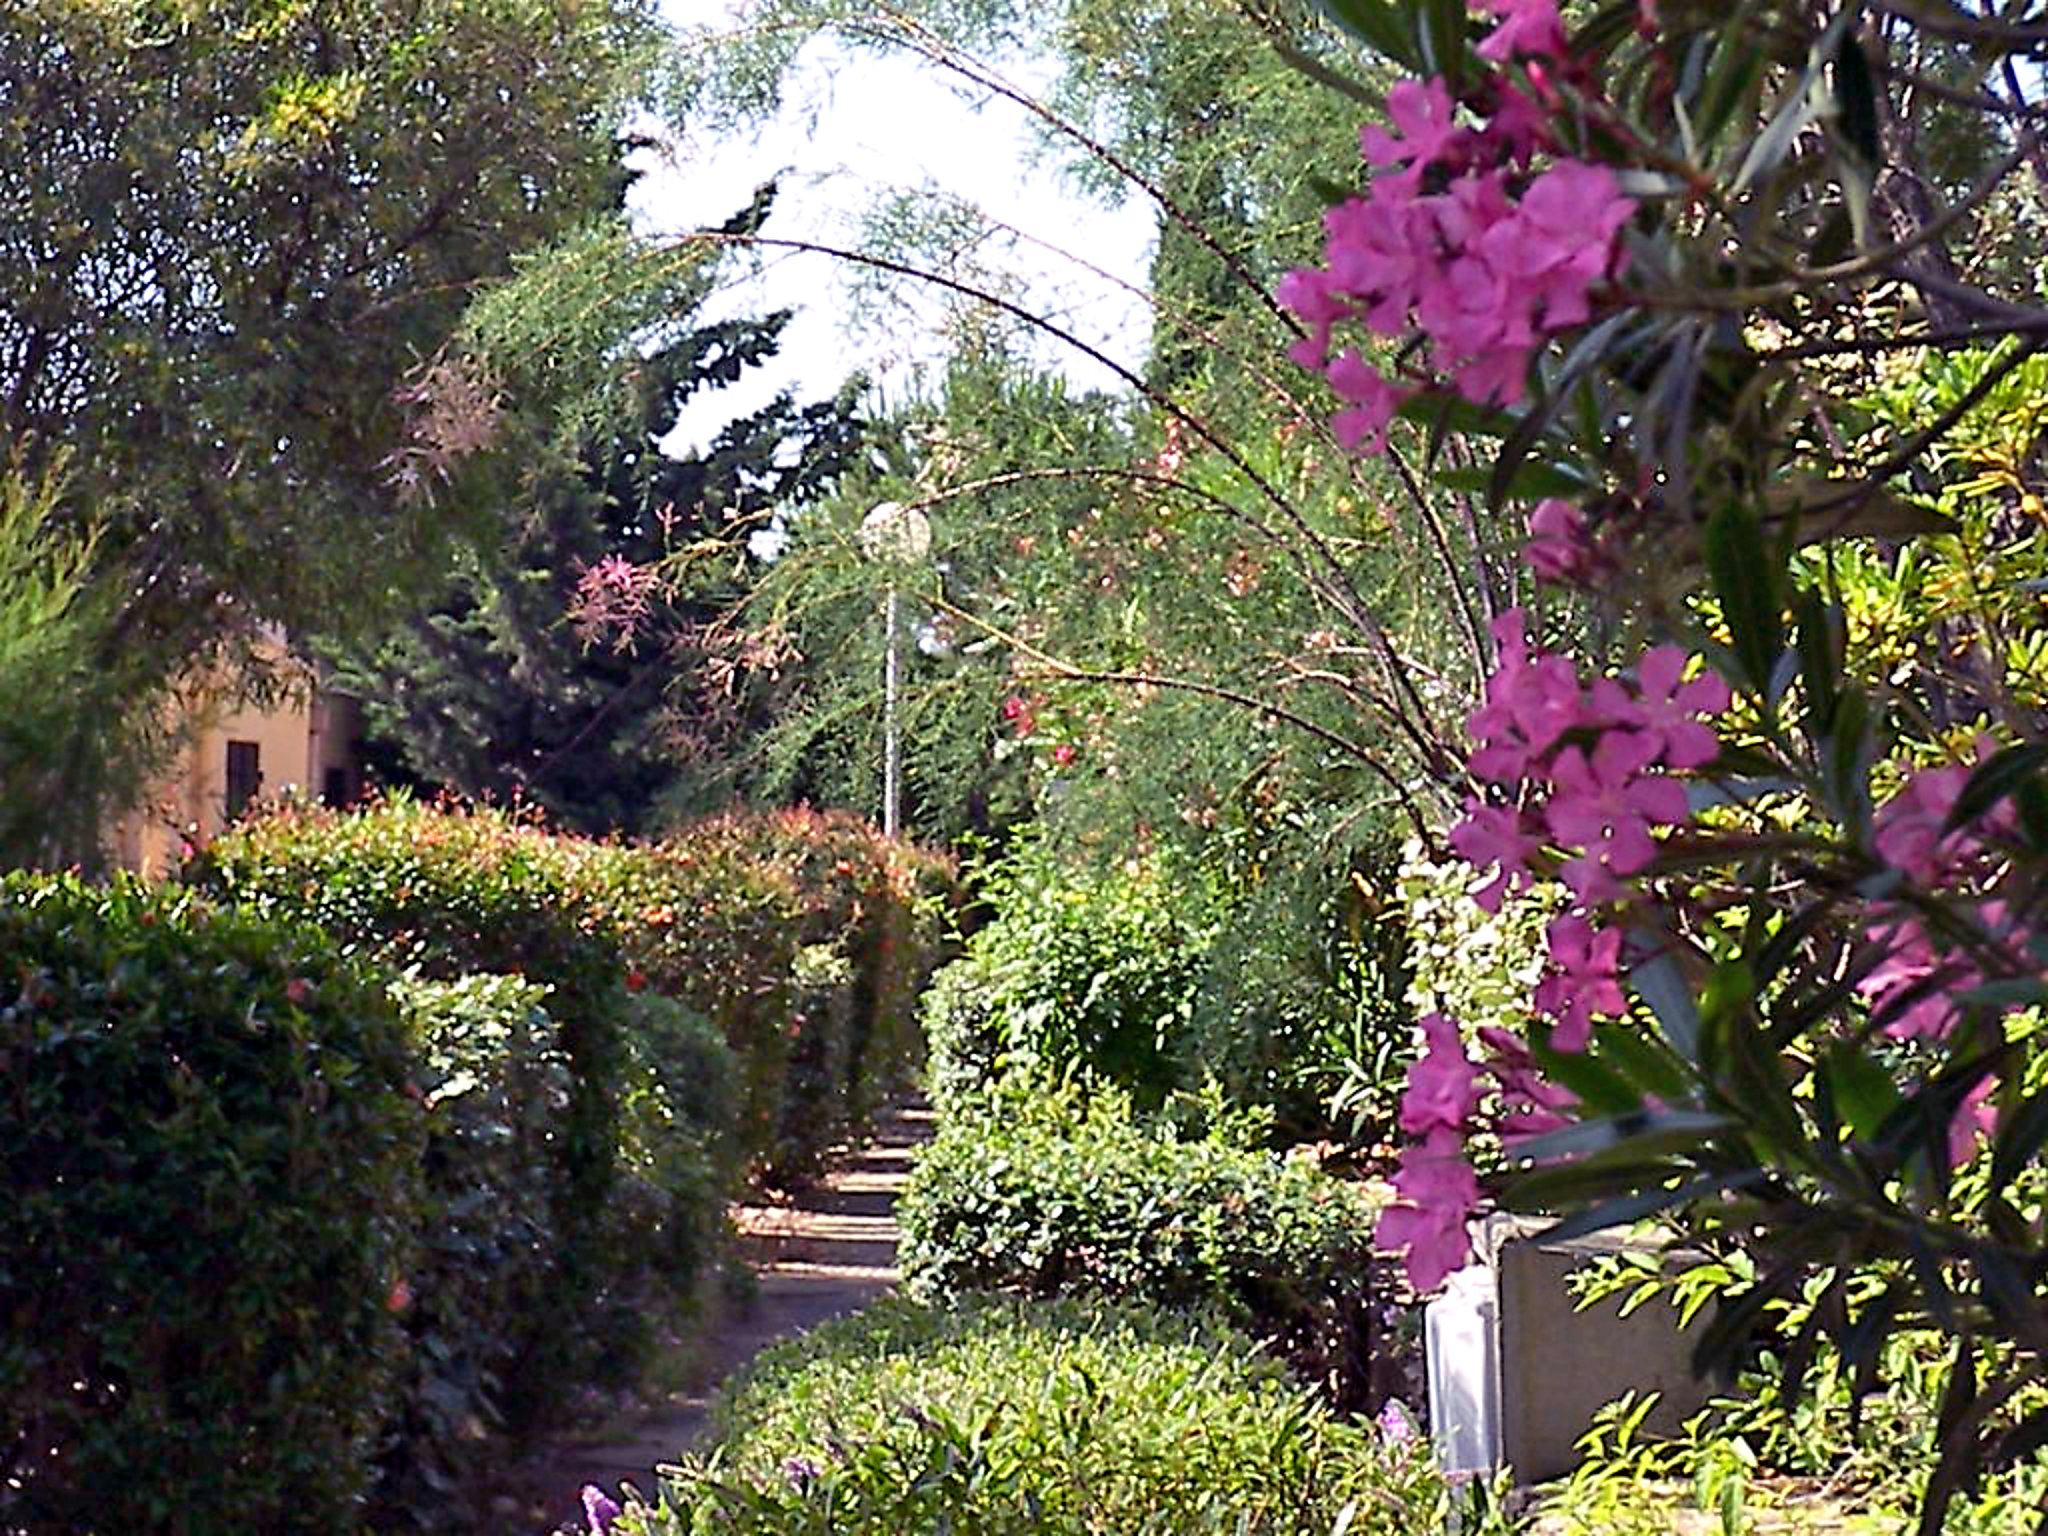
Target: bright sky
x: 855, y: 127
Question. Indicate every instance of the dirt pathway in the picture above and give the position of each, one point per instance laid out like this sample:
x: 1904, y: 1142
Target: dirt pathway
x: 827, y: 1251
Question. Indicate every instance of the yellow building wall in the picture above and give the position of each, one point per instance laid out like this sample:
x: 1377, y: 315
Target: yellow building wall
x: 305, y: 748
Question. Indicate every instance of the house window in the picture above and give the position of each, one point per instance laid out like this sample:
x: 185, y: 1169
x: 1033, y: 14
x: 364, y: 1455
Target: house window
x: 245, y: 776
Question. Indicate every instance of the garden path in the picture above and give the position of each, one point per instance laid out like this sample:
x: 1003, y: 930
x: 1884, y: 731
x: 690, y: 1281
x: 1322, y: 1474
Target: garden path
x: 818, y: 1254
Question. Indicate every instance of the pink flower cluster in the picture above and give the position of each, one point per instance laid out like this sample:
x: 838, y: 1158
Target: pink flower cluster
x: 1588, y: 770
x: 1911, y: 987
x: 1562, y: 549
x: 1585, y: 762
x: 1460, y: 238
x: 613, y: 597
x: 1587, y: 775
x: 1438, y: 1188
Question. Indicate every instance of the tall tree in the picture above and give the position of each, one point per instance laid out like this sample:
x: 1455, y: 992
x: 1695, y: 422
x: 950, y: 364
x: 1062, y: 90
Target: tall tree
x: 517, y: 681
x: 229, y: 234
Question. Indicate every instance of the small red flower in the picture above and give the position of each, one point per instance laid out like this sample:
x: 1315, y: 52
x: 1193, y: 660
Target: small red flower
x: 636, y: 981
x: 1064, y: 753
x: 398, y: 1301
x: 298, y: 991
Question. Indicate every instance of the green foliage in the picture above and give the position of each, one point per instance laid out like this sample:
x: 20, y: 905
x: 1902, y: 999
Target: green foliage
x: 875, y: 924
x: 1011, y: 1419
x: 231, y: 233
x: 71, y: 742
x: 609, y: 1034
x: 1049, y: 1190
x: 713, y: 916
x: 212, y: 1175
x: 1095, y: 975
x: 1302, y: 1005
x: 503, y: 687
x: 481, y: 1293
x: 678, y: 1111
x: 453, y: 894
x: 720, y: 912
x: 1853, y: 1451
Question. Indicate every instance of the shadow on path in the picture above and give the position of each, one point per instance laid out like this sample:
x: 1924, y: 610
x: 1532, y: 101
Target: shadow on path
x: 826, y: 1251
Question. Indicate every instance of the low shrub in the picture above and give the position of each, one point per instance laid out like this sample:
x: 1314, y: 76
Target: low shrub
x: 211, y: 1164
x: 1096, y: 973
x: 450, y: 894
x: 1007, y: 1419
x: 445, y: 894
x: 805, y: 936
x: 1047, y: 1190
x: 873, y: 925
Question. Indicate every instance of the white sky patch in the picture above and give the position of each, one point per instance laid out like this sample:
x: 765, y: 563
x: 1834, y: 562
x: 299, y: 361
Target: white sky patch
x: 854, y: 129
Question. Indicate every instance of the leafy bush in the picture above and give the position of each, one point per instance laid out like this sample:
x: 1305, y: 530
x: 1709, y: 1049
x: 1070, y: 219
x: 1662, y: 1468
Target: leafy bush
x: 478, y: 1301
x: 1096, y: 973
x: 1301, y: 1004
x: 873, y: 923
x: 451, y: 894
x: 678, y: 1111
x: 706, y: 922
x: 211, y: 1167
x: 1047, y: 1190
x: 1033, y: 1420
x: 805, y: 937
x: 447, y: 894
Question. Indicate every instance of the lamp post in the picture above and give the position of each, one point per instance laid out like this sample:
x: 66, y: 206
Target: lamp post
x: 898, y: 536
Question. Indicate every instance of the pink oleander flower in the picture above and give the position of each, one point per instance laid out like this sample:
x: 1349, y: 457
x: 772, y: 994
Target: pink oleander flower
x: 1501, y: 838
x: 1424, y: 114
x: 1532, y: 699
x: 1439, y: 1191
x: 1911, y: 826
x: 600, y: 1510
x: 1486, y: 267
x: 1561, y: 240
x: 1606, y: 803
x: 1909, y: 989
x: 1363, y: 426
x: 1584, y: 979
x: 1975, y: 1119
x: 1560, y: 548
x: 1528, y: 29
x: 1665, y: 711
x: 1443, y: 1086
x: 1531, y: 1105
x: 1520, y: 124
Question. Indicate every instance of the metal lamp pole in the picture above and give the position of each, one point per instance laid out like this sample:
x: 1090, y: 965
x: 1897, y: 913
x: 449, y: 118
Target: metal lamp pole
x: 899, y: 536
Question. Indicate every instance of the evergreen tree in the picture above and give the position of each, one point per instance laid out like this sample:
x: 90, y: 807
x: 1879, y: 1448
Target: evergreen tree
x: 498, y: 690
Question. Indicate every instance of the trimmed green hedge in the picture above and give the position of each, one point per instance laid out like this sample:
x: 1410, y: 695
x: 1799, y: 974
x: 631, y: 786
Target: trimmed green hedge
x: 1050, y: 1190
x: 212, y: 1174
x: 1007, y: 1419
x: 715, y: 916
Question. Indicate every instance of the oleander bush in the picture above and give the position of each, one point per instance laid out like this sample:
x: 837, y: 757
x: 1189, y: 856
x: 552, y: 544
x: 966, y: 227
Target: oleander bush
x: 1045, y: 1190
x: 212, y: 1168
x: 1005, y: 1418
